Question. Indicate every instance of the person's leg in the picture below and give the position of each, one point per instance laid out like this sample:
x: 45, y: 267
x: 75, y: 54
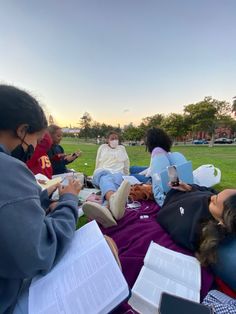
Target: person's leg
x: 184, y: 167
x: 137, y: 169
x: 159, y: 164
x: 107, y: 182
x: 176, y: 158
x: 114, y: 190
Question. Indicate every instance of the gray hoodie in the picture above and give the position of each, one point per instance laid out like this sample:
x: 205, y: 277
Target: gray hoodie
x: 30, y: 242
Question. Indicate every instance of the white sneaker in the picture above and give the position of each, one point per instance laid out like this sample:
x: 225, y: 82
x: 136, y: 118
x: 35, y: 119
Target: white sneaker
x: 100, y: 213
x: 118, y: 200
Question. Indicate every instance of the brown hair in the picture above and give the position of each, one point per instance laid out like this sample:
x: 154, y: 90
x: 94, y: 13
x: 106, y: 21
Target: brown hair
x: 53, y: 128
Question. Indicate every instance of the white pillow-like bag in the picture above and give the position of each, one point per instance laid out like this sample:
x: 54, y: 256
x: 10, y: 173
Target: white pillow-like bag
x: 207, y: 175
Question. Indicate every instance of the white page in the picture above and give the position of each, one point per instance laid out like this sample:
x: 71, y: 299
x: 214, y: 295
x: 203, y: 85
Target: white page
x: 85, y: 193
x: 174, y: 265
x: 150, y: 285
x: 132, y: 180
x: 86, y: 280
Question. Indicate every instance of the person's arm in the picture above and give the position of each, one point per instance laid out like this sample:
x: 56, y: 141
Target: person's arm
x: 126, y: 163
x: 30, y: 241
x: 183, y: 187
x: 98, y: 164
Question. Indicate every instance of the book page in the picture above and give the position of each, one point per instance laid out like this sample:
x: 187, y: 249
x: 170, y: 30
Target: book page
x: 49, y: 183
x: 174, y: 265
x: 86, y: 280
x: 132, y: 180
x: 146, y: 292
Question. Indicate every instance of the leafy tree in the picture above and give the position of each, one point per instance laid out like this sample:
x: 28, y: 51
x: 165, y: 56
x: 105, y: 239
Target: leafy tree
x: 85, y: 124
x: 175, y: 125
x: 234, y: 105
x: 132, y: 133
x: 153, y: 121
x: 207, y: 115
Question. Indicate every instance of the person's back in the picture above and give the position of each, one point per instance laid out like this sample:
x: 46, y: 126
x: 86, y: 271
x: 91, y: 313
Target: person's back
x: 40, y: 162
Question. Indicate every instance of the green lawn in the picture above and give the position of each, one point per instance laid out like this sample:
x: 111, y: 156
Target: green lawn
x: 222, y: 156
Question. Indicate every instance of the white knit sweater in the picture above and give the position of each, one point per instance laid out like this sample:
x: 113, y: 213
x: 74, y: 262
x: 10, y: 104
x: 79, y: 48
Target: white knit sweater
x: 112, y: 159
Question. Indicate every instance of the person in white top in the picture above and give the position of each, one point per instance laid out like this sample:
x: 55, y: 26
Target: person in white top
x: 112, y: 163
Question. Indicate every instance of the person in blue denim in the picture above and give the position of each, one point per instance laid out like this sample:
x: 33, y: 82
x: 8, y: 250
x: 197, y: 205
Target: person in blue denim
x: 158, y: 144
x: 112, y: 163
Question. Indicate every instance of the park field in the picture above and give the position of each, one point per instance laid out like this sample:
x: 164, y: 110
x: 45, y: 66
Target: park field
x: 221, y: 156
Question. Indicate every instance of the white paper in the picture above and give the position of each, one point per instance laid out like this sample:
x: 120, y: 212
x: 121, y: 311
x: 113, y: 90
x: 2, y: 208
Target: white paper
x: 86, y: 280
x: 179, y: 267
x: 165, y: 270
x: 132, y: 180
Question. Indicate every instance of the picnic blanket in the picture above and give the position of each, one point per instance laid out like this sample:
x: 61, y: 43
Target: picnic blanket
x: 133, y: 235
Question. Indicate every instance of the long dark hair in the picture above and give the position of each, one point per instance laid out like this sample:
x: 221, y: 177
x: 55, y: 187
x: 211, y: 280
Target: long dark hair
x: 17, y: 107
x: 156, y: 137
x: 214, y: 233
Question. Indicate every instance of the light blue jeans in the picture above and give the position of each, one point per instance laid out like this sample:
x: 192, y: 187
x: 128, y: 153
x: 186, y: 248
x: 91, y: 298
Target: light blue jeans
x: 159, y: 164
x: 107, y: 181
x: 135, y: 170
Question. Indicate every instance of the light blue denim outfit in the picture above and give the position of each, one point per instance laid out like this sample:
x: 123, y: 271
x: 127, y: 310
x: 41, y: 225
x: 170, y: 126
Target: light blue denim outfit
x: 159, y: 162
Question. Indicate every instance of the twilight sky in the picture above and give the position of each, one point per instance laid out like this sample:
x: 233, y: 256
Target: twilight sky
x: 119, y: 60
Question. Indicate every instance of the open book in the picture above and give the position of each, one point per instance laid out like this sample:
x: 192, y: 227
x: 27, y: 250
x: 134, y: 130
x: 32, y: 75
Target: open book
x: 47, y: 183
x: 165, y: 270
x: 86, y: 280
x: 132, y: 180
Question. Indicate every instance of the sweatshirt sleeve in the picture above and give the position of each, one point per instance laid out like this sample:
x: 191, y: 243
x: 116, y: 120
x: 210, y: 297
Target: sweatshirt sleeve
x: 30, y: 241
x: 126, y: 163
x: 97, y: 164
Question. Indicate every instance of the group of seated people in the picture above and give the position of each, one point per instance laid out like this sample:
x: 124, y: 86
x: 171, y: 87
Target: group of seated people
x: 197, y: 218
x: 49, y: 157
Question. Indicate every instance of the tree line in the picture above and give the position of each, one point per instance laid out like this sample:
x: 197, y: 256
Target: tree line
x: 206, y: 115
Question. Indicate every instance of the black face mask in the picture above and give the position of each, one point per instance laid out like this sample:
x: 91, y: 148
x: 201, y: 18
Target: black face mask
x: 22, y: 155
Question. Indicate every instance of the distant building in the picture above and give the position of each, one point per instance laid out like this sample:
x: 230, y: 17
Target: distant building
x: 71, y: 131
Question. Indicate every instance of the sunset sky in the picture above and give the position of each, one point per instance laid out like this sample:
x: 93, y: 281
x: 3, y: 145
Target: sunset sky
x: 119, y: 60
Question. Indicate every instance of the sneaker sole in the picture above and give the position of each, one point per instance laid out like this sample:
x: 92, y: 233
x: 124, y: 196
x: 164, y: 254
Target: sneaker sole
x: 99, y: 213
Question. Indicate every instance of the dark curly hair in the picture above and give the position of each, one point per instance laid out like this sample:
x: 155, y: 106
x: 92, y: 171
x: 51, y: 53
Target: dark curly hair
x: 214, y: 233
x: 156, y: 137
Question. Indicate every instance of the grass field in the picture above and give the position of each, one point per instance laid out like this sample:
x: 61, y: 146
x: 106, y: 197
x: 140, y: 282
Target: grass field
x: 222, y: 156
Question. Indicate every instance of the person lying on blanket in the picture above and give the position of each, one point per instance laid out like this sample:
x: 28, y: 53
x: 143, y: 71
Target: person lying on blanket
x: 112, y: 163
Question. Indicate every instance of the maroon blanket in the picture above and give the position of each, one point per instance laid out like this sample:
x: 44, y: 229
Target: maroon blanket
x: 133, y: 235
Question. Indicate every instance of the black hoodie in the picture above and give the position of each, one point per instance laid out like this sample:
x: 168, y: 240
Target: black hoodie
x: 183, y: 213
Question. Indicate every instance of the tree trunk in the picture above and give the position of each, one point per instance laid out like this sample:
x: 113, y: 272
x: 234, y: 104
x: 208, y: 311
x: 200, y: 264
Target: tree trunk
x: 211, y: 144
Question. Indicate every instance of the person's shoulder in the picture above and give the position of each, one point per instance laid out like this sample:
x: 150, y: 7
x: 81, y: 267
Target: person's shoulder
x: 103, y: 147
x: 122, y: 147
x: 15, y: 174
